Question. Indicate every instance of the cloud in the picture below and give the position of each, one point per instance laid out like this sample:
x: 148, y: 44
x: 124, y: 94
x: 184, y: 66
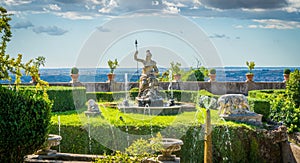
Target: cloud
x: 91, y: 9
x: 249, y: 4
x: 220, y: 36
x: 22, y: 25
x: 16, y: 2
x: 50, y: 30
x: 275, y: 24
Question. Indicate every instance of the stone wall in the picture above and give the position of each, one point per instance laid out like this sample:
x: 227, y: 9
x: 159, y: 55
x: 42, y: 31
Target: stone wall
x: 213, y: 87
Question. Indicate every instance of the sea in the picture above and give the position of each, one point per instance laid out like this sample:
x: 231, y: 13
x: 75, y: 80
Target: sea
x: 235, y: 74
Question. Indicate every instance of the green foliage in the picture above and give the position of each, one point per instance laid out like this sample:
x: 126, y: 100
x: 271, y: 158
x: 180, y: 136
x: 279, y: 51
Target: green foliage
x: 67, y: 98
x: 286, y: 71
x: 265, y: 93
x: 251, y: 66
x: 195, y: 74
x: 141, y: 147
x: 74, y: 70
x: 24, y: 120
x: 260, y: 106
x: 113, y: 65
x: 64, y: 98
x: 175, y: 67
x: 293, y: 87
x: 15, y: 65
x: 105, y: 96
x: 212, y: 71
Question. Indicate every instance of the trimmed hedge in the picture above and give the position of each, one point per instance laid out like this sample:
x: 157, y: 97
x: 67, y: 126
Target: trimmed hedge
x: 67, y: 98
x: 260, y: 106
x: 231, y: 142
x: 24, y: 120
x: 178, y: 95
x: 64, y: 98
x: 265, y: 93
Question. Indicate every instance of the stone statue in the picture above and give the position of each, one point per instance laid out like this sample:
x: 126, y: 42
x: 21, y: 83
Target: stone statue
x: 93, y: 109
x: 148, y: 85
x: 150, y: 71
x: 233, y: 104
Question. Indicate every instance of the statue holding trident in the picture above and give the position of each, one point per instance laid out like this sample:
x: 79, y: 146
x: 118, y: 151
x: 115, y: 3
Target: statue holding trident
x: 149, y: 73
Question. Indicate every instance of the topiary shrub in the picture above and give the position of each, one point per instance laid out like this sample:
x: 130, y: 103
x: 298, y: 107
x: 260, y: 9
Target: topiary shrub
x: 24, y: 120
x: 260, y: 106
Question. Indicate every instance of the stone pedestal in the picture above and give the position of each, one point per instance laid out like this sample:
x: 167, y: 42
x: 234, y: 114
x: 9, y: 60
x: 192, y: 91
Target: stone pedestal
x: 250, y: 117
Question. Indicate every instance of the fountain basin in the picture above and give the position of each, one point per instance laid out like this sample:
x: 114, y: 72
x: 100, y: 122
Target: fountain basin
x: 159, y: 110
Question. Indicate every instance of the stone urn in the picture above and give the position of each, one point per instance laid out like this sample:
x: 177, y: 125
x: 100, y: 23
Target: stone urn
x: 169, y: 145
x: 212, y: 77
x: 53, y: 140
x: 110, y: 77
x: 286, y: 77
x: 177, y: 77
x: 249, y: 77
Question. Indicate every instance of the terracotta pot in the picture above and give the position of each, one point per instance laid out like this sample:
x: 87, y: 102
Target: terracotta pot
x: 249, y: 77
x: 111, y: 77
x: 74, y: 78
x: 286, y: 77
x: 212, y: 77
x: 177, y: 77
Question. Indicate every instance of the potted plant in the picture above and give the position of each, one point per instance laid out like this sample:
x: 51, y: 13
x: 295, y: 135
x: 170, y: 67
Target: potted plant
x: 250, y: 74
x: 286, y: 74
x: 175, y: 68
x: 212, y: 75
x: 112, y: 65
x: 37, y: 62
x: 74, y: 75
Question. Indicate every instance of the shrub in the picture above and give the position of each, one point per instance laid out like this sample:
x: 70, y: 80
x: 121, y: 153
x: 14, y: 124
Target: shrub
x: 24, y: 120
x: 287, y: 71
x: 260, y: 106
x: 194, y: 75
x: 293, y: 87
x: 67, y: 98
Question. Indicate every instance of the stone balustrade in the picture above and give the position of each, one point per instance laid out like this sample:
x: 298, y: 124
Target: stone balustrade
x: 213, y: 87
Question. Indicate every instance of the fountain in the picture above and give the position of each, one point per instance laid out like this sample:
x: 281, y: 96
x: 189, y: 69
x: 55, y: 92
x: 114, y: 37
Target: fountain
x: 235, y: 107
x: 149, y: 99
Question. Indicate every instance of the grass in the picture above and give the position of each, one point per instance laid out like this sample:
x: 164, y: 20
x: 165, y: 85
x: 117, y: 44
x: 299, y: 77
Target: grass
x: 112, y: 116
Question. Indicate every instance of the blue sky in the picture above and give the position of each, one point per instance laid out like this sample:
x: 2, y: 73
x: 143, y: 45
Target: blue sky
x: 87, y: 33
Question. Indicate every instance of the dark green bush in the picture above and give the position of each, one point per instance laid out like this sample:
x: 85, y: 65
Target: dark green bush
x: 24, y: 120
x: 260, y: 106
x: 105, y: 96
x: 67, y: 98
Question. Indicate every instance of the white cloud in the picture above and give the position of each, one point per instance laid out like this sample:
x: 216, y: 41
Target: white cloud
x: 75, y: 15
x: 294, y: 6
x: 275, y: 24
x: 50, y: 30
x: 54, y: 7
x: 16, y: 2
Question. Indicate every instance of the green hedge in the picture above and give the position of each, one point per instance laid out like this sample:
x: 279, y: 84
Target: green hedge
x: 178, y: 95
x: 265, y: 93
x: 67, y: 98
x: 64, y: 98
x: 231, y: 143
x: 260, y: 106
x: 24, y: 120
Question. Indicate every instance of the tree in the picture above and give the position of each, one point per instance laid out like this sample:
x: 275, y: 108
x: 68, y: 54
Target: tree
x: 12, y: 65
